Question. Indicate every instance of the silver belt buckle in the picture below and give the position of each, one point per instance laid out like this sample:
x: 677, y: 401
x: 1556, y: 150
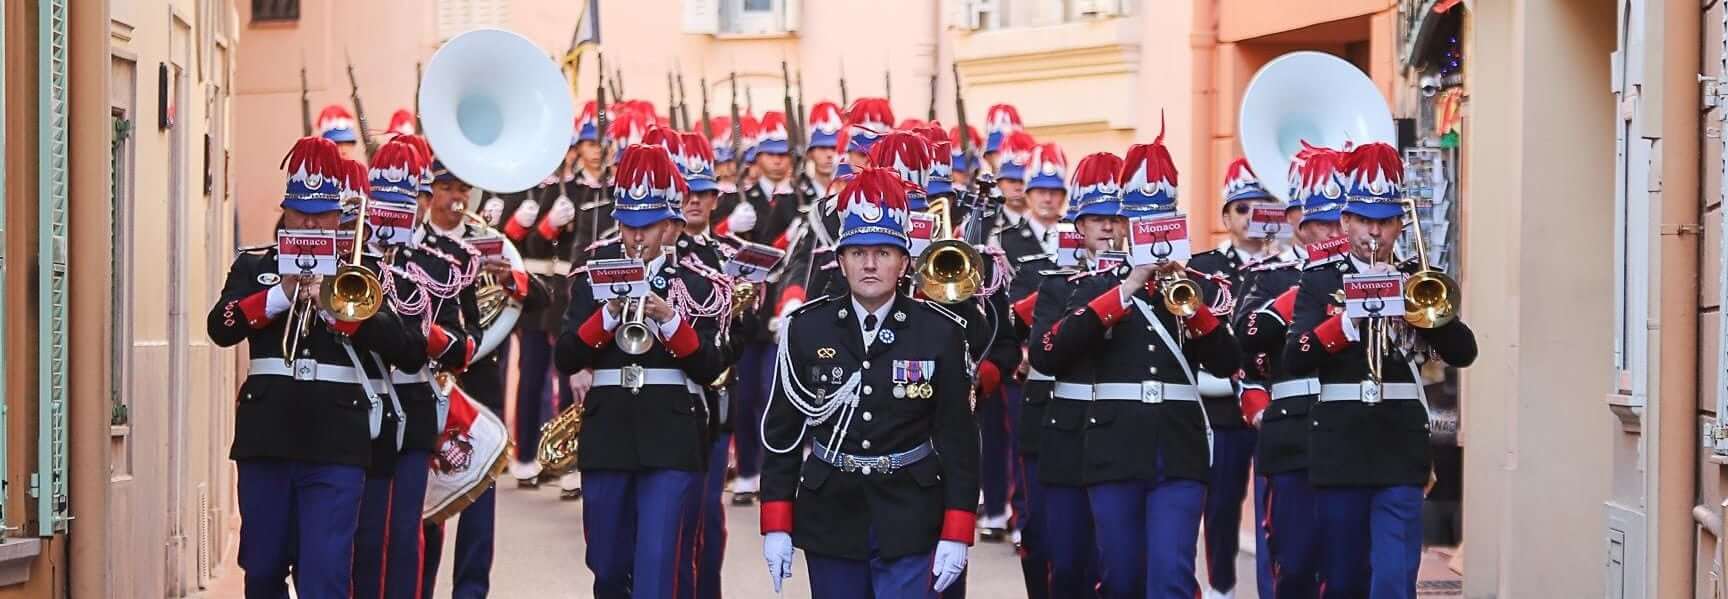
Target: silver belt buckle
x: 1151, y: 392
x: 1370, y: 392
x: 305, y: 369
x: 631, y: 377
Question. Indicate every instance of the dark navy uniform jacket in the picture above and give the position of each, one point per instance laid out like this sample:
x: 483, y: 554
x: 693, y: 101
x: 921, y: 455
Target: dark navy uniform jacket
x: 1354, y: 443
x: 283, y: 418
x: 835, y: 513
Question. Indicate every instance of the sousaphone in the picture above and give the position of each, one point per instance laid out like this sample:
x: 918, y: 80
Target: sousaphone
x: 1313, y: 97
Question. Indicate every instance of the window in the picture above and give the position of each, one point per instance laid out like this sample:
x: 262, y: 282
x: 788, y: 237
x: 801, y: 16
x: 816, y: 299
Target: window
x: 986, y: 15
x: 275, y: 10
x: 741, y: 17
x: 457, y: 16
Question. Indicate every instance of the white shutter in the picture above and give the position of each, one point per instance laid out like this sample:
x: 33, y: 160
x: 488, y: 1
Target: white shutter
x: 958, y: 14
x: 791, y: 11
x: 457, y: 16
x: 702, y: 16
x: 49, y: 483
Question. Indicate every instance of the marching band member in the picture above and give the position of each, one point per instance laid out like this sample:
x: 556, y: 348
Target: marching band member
x: 1233, y: 439
x: 1000, y: 121
x: 1278, y: 403
x: 644, y: 434
x: 966, y: 165
x: 1368, y: 450
x: 1146, y: 436
x: 1013, y: 156
x: 303, y: 422
x: 879, y: 385
x: 822, y: 135
x: 446, y: 232
x: 336, y: 124
x: 1069, y: 538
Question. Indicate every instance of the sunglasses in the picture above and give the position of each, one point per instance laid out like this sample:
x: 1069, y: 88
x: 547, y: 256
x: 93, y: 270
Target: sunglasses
x: 1241, y: 208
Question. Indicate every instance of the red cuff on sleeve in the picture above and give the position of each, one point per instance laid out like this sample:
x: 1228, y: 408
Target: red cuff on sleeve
x: 520, y: 281
x: 1331, y: 334
x: 468, y: 347
x: 791, y: 293
x: 1108, y: 306
x: 345, y: 328
x: 1023, y: 308
x: 1285, y: 305
x: 783, y: 240
x: 254, y: 307
x: 989, y: 378
x: 545, y: 229
x: 957, y: 525
x: 514, y: 230
x: 684, y: 342
x: 1202, y: 322
x: 724, y: 228
x: 438, y: 341
x: 776, y: 516
x: 1254, y: 401
x: 593, y: 331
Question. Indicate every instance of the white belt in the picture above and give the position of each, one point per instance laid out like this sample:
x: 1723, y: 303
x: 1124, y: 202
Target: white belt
x: 635, y: 378
x: 1145, y: 392
x: 407, y: 378
x: 1370, y: 393
x: 1032, y: 374
x: 1296, y: 388
x: 304, y: 370
x: 1073, y: 391
x: 546, y: 266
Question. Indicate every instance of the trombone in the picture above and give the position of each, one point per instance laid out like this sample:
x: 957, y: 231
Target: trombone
x: 950, y: 270
x: 354, y: 293
x: 1430, y: 296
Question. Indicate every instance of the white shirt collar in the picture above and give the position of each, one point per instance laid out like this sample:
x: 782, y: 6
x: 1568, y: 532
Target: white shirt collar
x: 881, y: 318
x: 1362, y: 267
x: 456, y: 233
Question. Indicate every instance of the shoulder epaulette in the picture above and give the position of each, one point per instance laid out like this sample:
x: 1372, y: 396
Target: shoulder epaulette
x: 1056, y: 272
x: 1273, y: 265
x: 1033, y: 258
x: 808, y: 304
x: 255, y: 249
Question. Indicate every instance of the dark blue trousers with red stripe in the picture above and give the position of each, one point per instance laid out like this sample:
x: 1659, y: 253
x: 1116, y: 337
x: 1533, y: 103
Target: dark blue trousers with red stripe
x: 1146, y: 533
x: 471, y: 574
x: 1070, y: 542
x: 1293, y: 531
x: 755, y: 379
x: 1372, y: 541
x: 1232, y: 454
x: 704, y: 530
x: 998, y: 416
x: 904, y: 577
x: 301, y: 515
x: 1262, y: 550
x: 535, y: 370
x: 1034, y: 552
x: 387, y: 546
x: 631, y: 521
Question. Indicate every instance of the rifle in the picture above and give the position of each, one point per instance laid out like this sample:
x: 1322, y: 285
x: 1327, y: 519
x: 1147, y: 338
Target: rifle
x: 600, y: 125
x: 737, y: 144
x: 305, y: 105
x: 888, y: 86
x: 793, y: 138
x: 965, y: 132
x: 671, y: 102
x: 803, y: 117
x: 749, y: 98
x: 932, y: 117
x: 845, y: 102
x: 683, y: 97
x: 419, y: 72
x: 617, y: 83
x: 359, y: 112
x: 707, y: 124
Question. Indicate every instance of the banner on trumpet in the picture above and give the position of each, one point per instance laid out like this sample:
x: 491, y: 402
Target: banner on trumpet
x: 1374, y: 295
x: 1070, y: 246
x: 1268, y: 222
x: 753, y: 262
x: 618, y: 278
x: 1158, y: 238
x: 305, y: 251
x: 392, y: 224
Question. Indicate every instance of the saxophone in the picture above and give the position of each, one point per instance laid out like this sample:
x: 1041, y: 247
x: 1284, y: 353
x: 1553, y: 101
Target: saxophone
x: 557, y: 450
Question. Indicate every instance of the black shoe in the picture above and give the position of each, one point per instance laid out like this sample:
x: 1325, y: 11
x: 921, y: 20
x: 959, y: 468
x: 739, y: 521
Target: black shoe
x: 743, y: 499
x: 570, y: 494
x: 993, y: 535
x: 528, y: 483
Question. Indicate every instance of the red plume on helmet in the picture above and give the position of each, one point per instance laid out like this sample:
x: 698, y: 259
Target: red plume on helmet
x: 872, y: 113
x: 1149, y: 177
x: 694, y: 145
x: 335, y: 116
x: 878, y: 186
x: 394, y: 173
x: 1316, y: 171
x: 666, y: 138
x: 911, y: 124
x: 355, y: 179
x: 402, y: 122
x: 313, y: 157
x: 1375, y: 169
x: 906, y: 154
x: 1002, y: 118
x: 1097, y: 178
x: 649, y: 168
x: 972, y: 138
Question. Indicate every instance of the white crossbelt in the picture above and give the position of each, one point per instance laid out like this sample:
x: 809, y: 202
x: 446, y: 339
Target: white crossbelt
x: 1369, y: 392
x: 1296, y: 388
x: 305, y: 370
x: 1145, y: 392
x: 1032, y: 374
x: 546, y: 266
x: 614, y: 377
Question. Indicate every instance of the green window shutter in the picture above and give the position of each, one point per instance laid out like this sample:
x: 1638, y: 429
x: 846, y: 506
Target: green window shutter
x: 50, y: 480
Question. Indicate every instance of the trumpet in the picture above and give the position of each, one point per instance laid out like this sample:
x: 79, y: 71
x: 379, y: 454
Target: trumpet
x: 354, y: 293
x: 1430, y: 297
x: 1378, y: 336
x: 950, y: 270
x: 634, y: 336
x: 1181, y: 296
x: 298, y: 325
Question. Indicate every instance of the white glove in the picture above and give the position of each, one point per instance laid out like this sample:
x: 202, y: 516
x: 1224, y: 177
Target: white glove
x: 950, y: 562
x: 777, y: 549
x: 526, y: 212
x: 493, y: 211
x: 743, y: 218
x: 563, y: 211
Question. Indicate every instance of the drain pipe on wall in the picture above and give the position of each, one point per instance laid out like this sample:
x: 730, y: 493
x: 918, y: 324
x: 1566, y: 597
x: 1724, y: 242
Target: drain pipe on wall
x: 1203, y: 47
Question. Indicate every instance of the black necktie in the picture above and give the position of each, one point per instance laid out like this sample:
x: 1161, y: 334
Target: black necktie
x: 869, y: 322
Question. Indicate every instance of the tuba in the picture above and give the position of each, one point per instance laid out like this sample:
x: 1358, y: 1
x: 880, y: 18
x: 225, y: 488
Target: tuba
x: 1308, y: 97
x: 499, y: 310
x: 950, y: 270
x: 496, y: 110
